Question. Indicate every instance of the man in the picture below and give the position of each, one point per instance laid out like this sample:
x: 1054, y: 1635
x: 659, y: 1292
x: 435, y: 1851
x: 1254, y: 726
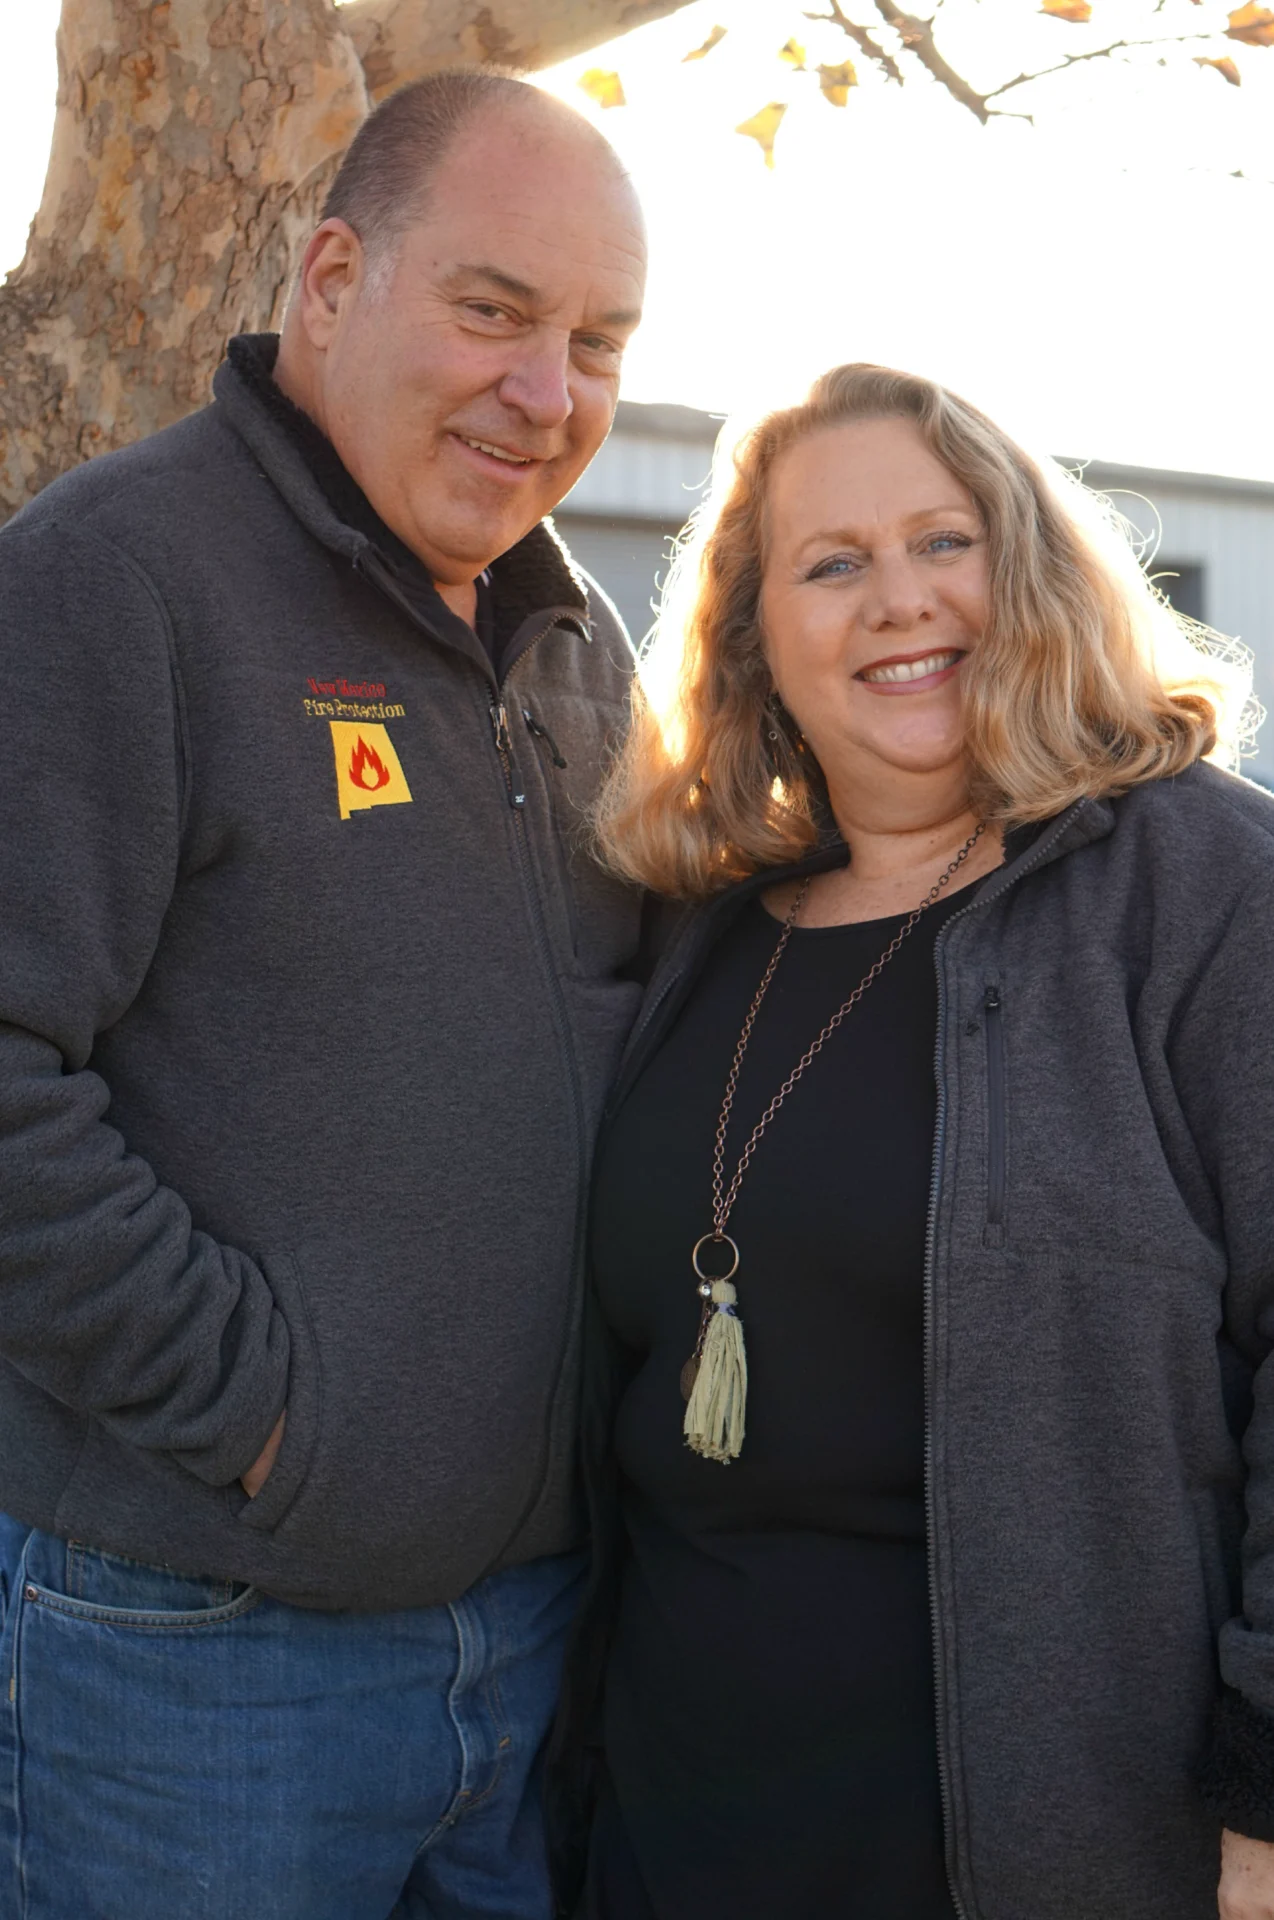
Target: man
x: 309, y: 994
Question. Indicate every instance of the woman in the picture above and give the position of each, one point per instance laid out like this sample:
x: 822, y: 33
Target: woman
x: 923, y: 1603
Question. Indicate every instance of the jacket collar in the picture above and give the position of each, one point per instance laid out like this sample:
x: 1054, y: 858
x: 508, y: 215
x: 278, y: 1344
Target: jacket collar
x: 534, y: 586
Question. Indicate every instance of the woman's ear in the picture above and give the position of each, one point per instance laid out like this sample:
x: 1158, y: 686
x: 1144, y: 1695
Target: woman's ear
x: 780, y: 724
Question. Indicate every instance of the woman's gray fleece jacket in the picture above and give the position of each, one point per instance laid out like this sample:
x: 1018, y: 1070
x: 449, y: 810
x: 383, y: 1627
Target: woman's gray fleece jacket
x: 1100, y: 1394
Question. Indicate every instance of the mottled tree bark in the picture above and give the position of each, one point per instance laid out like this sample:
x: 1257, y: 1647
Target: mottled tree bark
x: 400, y: 39
x: 193, y: 143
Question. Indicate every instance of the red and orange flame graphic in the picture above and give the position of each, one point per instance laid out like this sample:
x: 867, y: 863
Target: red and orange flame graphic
x: 366, y: 768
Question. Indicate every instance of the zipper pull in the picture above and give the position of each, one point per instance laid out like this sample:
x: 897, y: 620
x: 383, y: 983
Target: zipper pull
x: 504, y: 747
x: 991, y: 1000
x: 541, y: 732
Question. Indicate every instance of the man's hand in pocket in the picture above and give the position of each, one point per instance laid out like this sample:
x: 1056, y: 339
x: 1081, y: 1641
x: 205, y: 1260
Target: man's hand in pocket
x: 258, y: 1473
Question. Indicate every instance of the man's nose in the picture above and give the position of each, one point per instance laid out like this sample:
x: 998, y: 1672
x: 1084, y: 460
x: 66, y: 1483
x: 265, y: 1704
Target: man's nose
x: 538, y: 385
x: 897, y: 593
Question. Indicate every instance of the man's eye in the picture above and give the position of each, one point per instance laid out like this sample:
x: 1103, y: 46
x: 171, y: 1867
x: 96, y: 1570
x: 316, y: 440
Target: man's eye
x: 596, y: 343
x: 487, y: 310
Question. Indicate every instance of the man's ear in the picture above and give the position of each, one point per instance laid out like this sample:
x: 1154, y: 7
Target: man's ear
x: 331, y: 274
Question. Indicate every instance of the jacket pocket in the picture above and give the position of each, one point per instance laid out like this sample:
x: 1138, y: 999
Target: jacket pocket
x: 552, y: 765
x: 267, y: 1507
x: 996, y: 1116
x: 422, y: 1385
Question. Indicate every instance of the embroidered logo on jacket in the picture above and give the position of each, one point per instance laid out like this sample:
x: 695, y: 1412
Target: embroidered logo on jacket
x: 368, y: 773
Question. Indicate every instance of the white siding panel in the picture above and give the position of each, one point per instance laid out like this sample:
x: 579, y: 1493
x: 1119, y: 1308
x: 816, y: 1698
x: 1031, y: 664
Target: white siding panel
x: 638, y: 475
x: 1232, y: 539
x: 626, y: 558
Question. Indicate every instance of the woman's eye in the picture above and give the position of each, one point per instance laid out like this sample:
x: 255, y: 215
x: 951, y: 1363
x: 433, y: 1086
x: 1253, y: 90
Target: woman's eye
x: 836, y: 567
x: 949, y: 543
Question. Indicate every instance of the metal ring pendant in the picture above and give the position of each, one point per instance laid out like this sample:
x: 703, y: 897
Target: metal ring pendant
x: 717, y: 1240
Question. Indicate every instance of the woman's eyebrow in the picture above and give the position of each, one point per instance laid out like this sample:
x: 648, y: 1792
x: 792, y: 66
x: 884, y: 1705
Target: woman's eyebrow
x: 854, y: 537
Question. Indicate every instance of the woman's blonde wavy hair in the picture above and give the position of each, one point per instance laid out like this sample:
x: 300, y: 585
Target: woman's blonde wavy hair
x: 1085, y: 681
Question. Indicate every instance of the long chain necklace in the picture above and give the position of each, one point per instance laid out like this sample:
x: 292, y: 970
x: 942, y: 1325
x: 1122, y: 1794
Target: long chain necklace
x: 714, y: 1380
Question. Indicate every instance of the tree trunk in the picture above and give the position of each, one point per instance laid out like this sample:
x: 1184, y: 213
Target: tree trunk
x: 193, y: 144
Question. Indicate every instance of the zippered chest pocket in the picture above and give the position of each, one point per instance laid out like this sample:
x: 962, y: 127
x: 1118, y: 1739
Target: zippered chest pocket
x: 996, y: 1111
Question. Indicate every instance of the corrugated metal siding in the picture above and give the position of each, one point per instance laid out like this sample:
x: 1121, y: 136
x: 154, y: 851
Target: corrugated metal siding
x: 642, y: 476
x: 1232, y: 539
x: 627, y: 557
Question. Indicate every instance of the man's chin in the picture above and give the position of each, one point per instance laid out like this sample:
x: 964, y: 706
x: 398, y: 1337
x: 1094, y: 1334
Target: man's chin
x: 458, y: 552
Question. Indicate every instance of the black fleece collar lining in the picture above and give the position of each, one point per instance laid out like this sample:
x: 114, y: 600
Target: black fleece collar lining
x: 534, y: 577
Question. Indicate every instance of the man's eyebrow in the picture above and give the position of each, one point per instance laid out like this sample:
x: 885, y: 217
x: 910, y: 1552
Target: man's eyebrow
x: 479, y: 270
x: 519, y: 290
x: 622, y: 317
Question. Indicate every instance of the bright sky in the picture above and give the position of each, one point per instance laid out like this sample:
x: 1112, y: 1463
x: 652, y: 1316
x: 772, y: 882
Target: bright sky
x: 1099, y: 282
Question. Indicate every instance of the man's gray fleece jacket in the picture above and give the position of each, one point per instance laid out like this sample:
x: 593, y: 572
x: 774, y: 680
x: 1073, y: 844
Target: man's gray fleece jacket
x: 295, y: 1108
x: 1099, y: 1387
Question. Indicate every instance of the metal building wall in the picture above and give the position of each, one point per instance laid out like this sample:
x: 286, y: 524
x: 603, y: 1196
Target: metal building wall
x: 1227, y: 528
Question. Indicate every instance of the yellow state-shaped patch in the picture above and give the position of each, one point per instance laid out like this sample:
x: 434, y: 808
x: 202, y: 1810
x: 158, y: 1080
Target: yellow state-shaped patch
x: 368, y: 773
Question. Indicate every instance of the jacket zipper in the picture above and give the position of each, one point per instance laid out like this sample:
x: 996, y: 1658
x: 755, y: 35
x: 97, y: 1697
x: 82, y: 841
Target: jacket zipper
x: 540, y: 732
x: 931, y: 1234
x: 504, y: 747
x: 992, y: 1007
x: 561, y: 1016
x: 517, y: 802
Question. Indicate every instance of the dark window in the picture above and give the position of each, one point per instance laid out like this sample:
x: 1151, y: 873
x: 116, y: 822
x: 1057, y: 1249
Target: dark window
x: 1181, y: 582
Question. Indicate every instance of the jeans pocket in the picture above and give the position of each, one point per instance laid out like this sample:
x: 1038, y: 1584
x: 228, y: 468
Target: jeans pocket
x: 89, y: 1583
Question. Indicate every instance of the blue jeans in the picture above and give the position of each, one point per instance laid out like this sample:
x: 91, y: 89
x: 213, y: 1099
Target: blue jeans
x: 188, y: 1749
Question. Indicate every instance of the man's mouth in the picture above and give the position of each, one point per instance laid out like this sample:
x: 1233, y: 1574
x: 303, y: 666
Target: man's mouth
x: 497, y: 453
x: 892, y: 673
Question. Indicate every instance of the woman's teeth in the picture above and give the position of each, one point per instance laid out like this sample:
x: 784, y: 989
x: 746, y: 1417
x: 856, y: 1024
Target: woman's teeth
x: 912, y: 669
x: 498, y: 453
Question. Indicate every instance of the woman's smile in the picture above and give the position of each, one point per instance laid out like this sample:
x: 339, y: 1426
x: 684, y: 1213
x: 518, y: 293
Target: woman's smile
x: 911, y: 672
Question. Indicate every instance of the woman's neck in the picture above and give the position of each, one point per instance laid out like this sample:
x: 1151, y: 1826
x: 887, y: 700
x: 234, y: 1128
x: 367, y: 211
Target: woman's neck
x: 895, y: 858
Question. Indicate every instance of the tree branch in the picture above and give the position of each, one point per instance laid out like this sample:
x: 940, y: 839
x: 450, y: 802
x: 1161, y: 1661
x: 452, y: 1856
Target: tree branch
x: 1096, y: 53
x: 401, y: 40
x: 861, y: 38
x: 917, y: 37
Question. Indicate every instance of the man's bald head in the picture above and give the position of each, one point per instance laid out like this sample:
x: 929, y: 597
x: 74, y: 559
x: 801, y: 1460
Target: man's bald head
x: 382, y: 186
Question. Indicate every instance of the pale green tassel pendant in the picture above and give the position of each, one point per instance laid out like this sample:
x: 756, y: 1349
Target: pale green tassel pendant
x: 718, y: 1398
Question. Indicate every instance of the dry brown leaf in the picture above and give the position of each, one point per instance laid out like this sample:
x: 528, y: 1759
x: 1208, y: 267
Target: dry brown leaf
x: 1078, y: 12
x: 714, y: 39
x: 1225, y: 67
x: 837, y: 81
x: 794, y: 53
x: 1252, y: 24
x: 606, y: 89
x: 763, y: 126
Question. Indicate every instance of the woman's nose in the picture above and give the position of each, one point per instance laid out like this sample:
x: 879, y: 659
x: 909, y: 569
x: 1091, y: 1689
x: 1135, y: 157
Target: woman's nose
x: 897, y: 593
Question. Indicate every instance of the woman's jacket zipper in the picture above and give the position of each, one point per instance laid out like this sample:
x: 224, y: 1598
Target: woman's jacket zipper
x: 1038, y: 852
x: 993, y: 1008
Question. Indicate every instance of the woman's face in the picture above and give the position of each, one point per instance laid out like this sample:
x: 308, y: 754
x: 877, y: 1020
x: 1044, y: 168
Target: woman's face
x: 874, y: 592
